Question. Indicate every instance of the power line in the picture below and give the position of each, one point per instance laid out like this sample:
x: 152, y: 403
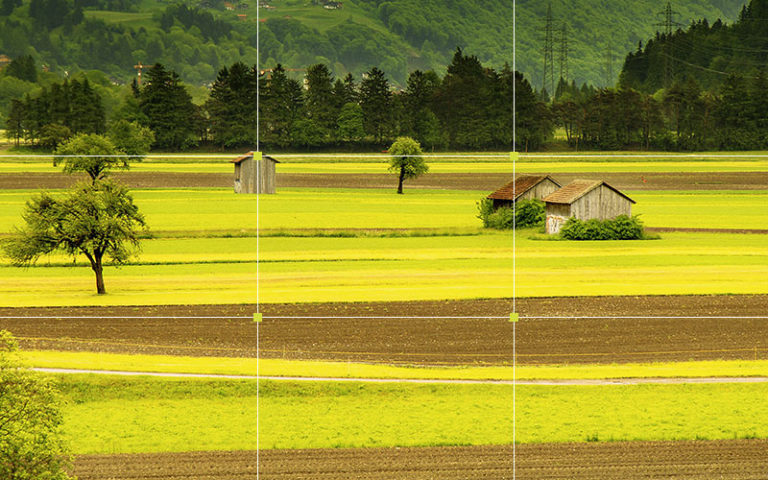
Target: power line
x: 668, y: 24
x: 549, y: 64
x: 563, y: 52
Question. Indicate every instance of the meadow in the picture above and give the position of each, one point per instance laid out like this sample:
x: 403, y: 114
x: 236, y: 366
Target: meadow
x: 119, y: 415
x: 357, y: 245
x: 108, y: 414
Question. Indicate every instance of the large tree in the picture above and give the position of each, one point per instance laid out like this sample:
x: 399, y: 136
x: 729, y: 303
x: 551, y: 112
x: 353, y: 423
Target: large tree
x: 96, y: 220
x: 406, y: 160
x: 90, y: 153
x: 31, y: 444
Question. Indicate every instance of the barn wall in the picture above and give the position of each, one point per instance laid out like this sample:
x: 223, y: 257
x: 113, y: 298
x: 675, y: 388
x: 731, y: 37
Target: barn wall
x: 541, y: 190
x: 601, y: 203
x: 267, y: 176
x: 557, y: 215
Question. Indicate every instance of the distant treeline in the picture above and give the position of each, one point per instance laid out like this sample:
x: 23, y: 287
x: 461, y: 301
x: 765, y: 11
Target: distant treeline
x: 682, y: 117
x: 705, y: 52
x: 703, y: 88
x: 469, y: 108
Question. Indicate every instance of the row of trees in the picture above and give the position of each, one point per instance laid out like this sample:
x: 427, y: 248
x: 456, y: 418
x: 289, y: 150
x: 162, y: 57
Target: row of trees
x: 471, y: 107
x: 683, y: 117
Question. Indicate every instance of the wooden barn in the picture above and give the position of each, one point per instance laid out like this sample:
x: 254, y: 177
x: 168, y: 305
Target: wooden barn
x: 255, y: 176
x: 522, y: 188
x: 585, y: 199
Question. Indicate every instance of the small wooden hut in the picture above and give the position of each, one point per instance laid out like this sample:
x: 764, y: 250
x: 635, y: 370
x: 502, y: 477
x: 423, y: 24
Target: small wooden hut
x: 584, y: 200
x: 255, y: 175
x: 522, y: 188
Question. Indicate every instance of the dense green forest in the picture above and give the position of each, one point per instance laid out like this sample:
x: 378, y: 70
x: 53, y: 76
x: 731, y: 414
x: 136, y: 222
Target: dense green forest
x: 197, y: 37
x: 704, y: 51
x: 469, y: 108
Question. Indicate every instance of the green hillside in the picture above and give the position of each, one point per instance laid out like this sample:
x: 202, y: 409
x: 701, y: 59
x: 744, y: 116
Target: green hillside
x: 198, y: 37
x: 597, y: 27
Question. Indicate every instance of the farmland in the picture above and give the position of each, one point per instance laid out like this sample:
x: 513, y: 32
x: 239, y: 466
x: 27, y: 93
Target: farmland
x: 337, y: 242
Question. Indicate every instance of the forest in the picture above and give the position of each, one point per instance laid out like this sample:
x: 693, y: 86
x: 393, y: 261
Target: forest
x: 469, y: 108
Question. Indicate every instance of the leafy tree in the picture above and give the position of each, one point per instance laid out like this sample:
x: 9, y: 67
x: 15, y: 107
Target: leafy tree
x: 54, y: 134
x: 406, y: 160
x: 131, y: 138
x: 31, y: 444
x: 168, y: 107
x: 95, y: 220
x: 90, y: 153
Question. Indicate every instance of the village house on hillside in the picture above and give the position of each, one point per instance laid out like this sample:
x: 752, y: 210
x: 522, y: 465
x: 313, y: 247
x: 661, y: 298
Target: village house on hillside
x: 254, y: 176
x: 522, y: 188
x: 585, y: 200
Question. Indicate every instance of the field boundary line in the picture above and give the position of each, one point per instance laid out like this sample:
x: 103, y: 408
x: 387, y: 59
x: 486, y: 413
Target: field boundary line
x: 549, y: 382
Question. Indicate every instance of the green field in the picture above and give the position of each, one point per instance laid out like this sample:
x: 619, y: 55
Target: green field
x: 641, y: 412
x: 116, y: 415
x: 219, y: 209
x: 368, y: 260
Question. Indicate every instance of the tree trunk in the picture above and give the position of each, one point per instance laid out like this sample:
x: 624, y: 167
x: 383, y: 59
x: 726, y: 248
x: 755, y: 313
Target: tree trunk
x: 98, y: 269
x: 400, y: 184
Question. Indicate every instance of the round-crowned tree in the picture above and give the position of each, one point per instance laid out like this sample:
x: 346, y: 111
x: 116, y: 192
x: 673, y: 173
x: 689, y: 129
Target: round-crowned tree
x: 406, y: 160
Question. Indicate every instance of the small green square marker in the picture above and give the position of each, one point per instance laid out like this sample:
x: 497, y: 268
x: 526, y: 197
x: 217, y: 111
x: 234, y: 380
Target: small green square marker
x: 257, y: 317
x: 514, y: 156
x: 514, y: 317
x: 256, y: 156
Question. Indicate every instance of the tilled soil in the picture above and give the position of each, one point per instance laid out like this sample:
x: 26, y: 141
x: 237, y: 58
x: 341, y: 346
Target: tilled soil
x: 459, y: 181
x: 700, y: 460
x: 584, y: 330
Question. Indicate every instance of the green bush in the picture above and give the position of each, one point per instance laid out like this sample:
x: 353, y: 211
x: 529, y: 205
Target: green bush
x: 528, y: 213
x: 622, y: 227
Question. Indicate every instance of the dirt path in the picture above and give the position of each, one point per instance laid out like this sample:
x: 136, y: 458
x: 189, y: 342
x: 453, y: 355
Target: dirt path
x: 704, y: 328
x: 684, y: 460
x: 460, y: 181
x: 551, y: 383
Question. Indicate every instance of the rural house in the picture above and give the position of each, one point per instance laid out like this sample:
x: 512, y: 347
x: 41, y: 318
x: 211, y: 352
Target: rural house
x: 585, y: 199
x: 522, y: 188
x: 254, y: 176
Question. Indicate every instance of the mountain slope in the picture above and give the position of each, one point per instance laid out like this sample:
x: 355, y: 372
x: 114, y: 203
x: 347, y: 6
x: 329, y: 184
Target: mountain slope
x: 201, y: 36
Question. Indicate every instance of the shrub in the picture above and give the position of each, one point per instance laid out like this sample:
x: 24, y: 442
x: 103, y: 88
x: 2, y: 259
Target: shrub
x: 619, y: 228
x: 527, y: 213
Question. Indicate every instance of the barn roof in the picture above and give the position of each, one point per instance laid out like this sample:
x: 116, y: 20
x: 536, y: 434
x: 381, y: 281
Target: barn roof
x: 519, y: 186
x: 577, y: 189
x: 250, y: 155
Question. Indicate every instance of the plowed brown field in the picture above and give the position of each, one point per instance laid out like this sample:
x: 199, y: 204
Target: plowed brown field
x: 577, y: 338
x: 458, y: 181
x: 703, y: 460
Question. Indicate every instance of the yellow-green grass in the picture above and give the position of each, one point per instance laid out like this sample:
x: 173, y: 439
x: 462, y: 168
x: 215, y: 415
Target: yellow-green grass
x: 440, y: 165
x: 107, y: 414
x: 569, y: 166
x: 247, y: 366
x: 296, y: 208
x: 209, y: 271
x: 122, y: 415
x: 641, y: 412
x: 301, y: 368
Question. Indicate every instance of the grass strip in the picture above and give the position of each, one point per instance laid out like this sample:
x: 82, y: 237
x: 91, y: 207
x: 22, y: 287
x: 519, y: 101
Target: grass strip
x: 303, y: 368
